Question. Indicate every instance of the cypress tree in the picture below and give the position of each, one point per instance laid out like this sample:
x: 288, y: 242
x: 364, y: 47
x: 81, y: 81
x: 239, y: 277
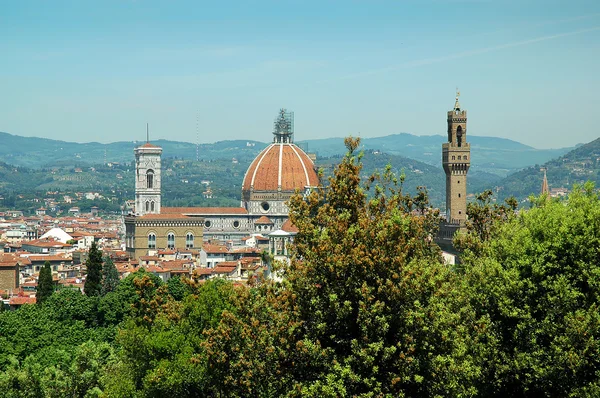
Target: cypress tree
x: 93, y: 280
x: 45, y: 286
x: 110, y: 276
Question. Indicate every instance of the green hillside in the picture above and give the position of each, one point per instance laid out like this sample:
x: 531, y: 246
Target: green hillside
x: 577, y: 166
x: 489, y: 154
x: 40, y: 152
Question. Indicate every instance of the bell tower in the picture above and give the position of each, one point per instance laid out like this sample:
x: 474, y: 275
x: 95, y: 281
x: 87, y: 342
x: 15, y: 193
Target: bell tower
x: 456, y: 160
x: 147, y: 178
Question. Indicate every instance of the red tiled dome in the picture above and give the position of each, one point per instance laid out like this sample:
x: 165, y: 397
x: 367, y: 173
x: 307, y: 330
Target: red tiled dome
x: 280, y: 165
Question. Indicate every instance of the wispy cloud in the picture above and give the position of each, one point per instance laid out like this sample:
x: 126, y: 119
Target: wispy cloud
x: 463, y: 54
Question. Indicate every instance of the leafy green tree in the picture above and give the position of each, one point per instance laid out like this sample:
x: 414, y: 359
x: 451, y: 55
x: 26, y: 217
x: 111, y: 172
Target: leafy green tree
x: 535, y: 287
x: 66, y: 320
x: 110, y: 276
x: 67, y: 374
x: 93, y: 280
x: 162, y: 334
x: 177, y: 288
x: 371, y: 290
x: 45, y: 286
x: 483, y: 219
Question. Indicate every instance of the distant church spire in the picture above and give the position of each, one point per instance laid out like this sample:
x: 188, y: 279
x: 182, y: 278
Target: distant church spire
x: 545, y: 189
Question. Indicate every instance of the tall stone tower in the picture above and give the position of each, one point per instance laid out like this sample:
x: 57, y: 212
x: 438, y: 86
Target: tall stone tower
x: 147, y: 179
x: 456, y: 159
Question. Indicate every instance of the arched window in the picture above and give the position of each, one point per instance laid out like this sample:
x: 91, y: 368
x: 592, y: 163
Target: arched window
x: 147, y: 206
x: 152, y: 206
x: 150, y: 179
x: 151, y: 241
x: 171, y: 240
x: 189, y: 240
x: 459, y: 134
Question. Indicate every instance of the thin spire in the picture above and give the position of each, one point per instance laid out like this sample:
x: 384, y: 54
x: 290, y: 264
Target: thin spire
x: 457, y: 104
x: 545, y: 189
x: 147, y: 134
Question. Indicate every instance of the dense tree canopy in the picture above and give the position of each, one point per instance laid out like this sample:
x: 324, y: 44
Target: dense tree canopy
x: 536, y: 285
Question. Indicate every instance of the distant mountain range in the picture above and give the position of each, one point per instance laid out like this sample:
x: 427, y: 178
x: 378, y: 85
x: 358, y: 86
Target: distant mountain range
x: 42, y: 152
x: 489, y: 154
x: 507, y: 166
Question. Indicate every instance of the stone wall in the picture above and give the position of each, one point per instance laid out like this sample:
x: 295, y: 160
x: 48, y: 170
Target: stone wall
x: 9, y: 277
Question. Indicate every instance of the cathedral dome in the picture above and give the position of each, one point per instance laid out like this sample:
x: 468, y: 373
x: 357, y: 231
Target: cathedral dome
x: 280, y: 167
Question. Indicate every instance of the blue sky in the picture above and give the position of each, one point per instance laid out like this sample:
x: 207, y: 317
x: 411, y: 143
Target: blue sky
x: 84, y: 71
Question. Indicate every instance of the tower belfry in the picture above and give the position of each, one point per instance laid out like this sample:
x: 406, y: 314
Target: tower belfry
x: 456, y: 160
x: 147, y: 177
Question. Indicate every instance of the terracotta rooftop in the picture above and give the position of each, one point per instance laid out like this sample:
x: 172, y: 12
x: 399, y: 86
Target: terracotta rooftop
x: 208, y: 248
x: 150, y: 258
x: 148, y: 145
x: 264, y: 220
x: 9, y: 258
x: 21, y: 300
x: 176, y: 264
x: 203, y: 271
x: 284, y: 166
x: 228, y: 264
x: 289, y: 227
x: 224, y: 269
